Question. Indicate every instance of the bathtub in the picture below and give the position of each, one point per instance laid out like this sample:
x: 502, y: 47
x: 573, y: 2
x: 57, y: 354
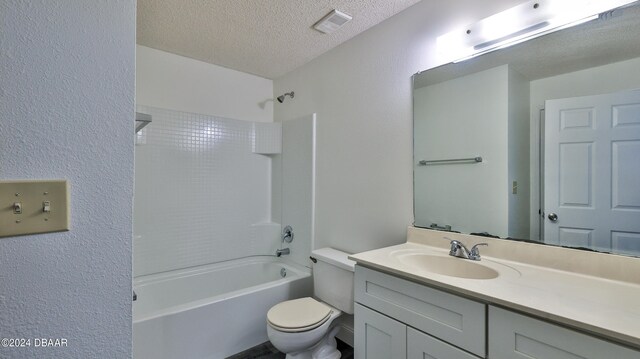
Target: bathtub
x: 211, y: 311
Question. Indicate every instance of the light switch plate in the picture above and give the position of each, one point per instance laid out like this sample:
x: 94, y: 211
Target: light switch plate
x: 22, y: 207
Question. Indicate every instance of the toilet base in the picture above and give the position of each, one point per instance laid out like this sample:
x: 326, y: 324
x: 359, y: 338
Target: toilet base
x: 325, y: 349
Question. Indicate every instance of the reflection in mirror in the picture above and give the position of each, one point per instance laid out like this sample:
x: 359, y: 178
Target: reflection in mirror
x: 556, y: 123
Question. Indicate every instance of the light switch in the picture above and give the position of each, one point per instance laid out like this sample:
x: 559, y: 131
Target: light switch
x: 33, y: 206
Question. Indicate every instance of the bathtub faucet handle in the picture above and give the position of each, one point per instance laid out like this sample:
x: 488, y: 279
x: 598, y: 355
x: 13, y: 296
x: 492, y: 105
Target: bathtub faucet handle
x: 287, y: 234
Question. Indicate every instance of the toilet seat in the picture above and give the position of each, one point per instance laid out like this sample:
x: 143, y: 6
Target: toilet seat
x: 298, y: 315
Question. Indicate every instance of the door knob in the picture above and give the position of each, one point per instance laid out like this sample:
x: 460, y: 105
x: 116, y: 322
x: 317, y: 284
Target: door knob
x: 553, y: 217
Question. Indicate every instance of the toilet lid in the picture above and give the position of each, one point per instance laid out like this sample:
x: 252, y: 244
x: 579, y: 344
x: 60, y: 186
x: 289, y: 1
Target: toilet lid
x: 298, y: 314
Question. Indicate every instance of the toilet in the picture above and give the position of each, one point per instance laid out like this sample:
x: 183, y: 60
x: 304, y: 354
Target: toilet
x: 303, y: 328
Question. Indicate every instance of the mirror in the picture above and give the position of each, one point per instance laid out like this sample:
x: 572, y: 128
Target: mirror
x: 539, y: 141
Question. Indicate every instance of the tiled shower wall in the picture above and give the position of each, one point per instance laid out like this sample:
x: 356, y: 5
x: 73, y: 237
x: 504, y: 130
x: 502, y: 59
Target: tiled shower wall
x: 201, y: 193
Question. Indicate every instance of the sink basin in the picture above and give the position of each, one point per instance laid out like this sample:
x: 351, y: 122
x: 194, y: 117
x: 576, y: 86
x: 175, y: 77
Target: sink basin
x: 450, y: 266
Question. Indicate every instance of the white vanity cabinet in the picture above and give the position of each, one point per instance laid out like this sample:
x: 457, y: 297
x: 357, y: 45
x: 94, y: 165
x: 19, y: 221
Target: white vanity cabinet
x: 396, y: 318
x: 380, y: 337
x: 404, y: 319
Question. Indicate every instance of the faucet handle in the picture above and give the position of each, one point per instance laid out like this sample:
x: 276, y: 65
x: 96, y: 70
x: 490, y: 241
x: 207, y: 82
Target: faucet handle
x: 287, y: 234
x: 456, y: 247
x: 474, y: 253
x: 451, y: 240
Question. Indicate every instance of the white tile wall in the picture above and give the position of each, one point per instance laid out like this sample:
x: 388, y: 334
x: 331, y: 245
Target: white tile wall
x: 199, y: 192
x: 267, y: 138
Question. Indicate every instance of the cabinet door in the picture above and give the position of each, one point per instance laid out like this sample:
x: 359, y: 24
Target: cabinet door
x: 515, y: 336
x: 423, y: 346
x: 448, y: 317
x: 378, y: 336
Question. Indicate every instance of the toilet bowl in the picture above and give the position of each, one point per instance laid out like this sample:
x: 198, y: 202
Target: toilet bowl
x: 307, y: 334
x: 304, y: 328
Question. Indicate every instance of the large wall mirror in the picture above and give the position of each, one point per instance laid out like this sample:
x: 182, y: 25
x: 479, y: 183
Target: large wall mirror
x: 539, y: 141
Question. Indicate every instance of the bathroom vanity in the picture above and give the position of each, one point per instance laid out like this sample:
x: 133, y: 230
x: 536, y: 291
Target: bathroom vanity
x: 520, y: 300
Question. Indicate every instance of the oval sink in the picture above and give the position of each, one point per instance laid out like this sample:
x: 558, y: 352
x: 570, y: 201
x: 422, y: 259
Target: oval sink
x: 451, y: 266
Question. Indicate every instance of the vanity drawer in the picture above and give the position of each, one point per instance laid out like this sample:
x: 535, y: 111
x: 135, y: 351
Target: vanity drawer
x: 513, y: 336
x: 453, y: 319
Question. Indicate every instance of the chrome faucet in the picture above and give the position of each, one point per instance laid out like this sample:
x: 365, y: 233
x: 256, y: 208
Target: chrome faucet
x: 283, y: 251
x: 459, y: 250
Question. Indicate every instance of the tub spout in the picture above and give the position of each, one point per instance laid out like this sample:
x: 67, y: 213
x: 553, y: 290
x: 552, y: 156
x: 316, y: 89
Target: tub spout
x: 280, y: 252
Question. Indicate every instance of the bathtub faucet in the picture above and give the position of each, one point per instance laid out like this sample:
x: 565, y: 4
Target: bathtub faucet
x: 280, y: 252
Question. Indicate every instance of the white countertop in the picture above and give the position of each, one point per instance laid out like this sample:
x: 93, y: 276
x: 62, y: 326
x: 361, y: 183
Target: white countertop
x: 607, y: 307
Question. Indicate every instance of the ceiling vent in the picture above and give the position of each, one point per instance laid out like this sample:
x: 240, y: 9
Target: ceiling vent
x: 332, y: 21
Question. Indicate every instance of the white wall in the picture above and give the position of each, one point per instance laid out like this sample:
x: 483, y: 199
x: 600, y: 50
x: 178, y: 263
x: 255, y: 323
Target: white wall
x: 468, y: 197
x: 298, y: 185
x: 66, y: 111
x: 610, y: 78
x: 165, y: 80
x: 361, y: 91
x: 518, y: 156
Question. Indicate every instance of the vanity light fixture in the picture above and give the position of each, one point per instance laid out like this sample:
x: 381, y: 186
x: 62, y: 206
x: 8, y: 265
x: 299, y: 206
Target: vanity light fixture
x: 520, y: 23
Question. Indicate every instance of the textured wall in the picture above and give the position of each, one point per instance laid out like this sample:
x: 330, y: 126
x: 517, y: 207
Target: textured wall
x: 174, y: 82
x: 361, y: 92
x: 66, y: 111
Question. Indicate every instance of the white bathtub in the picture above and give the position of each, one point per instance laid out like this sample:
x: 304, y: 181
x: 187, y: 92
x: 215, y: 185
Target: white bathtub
x: 211, y: 311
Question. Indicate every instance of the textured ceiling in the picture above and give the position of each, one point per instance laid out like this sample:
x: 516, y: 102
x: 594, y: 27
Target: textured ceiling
x: 267, y: 38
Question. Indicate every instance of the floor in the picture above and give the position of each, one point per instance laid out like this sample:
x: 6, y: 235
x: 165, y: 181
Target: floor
x: 267, y: 351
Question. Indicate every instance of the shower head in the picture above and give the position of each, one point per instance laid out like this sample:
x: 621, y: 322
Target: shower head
x: 281, y: 97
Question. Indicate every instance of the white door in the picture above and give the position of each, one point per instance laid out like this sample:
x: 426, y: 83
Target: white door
x: 592, y: 172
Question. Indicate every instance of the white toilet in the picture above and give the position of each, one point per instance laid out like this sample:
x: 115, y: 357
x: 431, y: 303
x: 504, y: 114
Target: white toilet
x: 302, y: 328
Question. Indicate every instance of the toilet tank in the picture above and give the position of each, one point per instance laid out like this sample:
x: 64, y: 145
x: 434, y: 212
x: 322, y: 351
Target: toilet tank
x: 333, y: 278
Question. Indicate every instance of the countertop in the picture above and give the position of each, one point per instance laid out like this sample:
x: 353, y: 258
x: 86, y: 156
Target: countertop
x: 606, y: 307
